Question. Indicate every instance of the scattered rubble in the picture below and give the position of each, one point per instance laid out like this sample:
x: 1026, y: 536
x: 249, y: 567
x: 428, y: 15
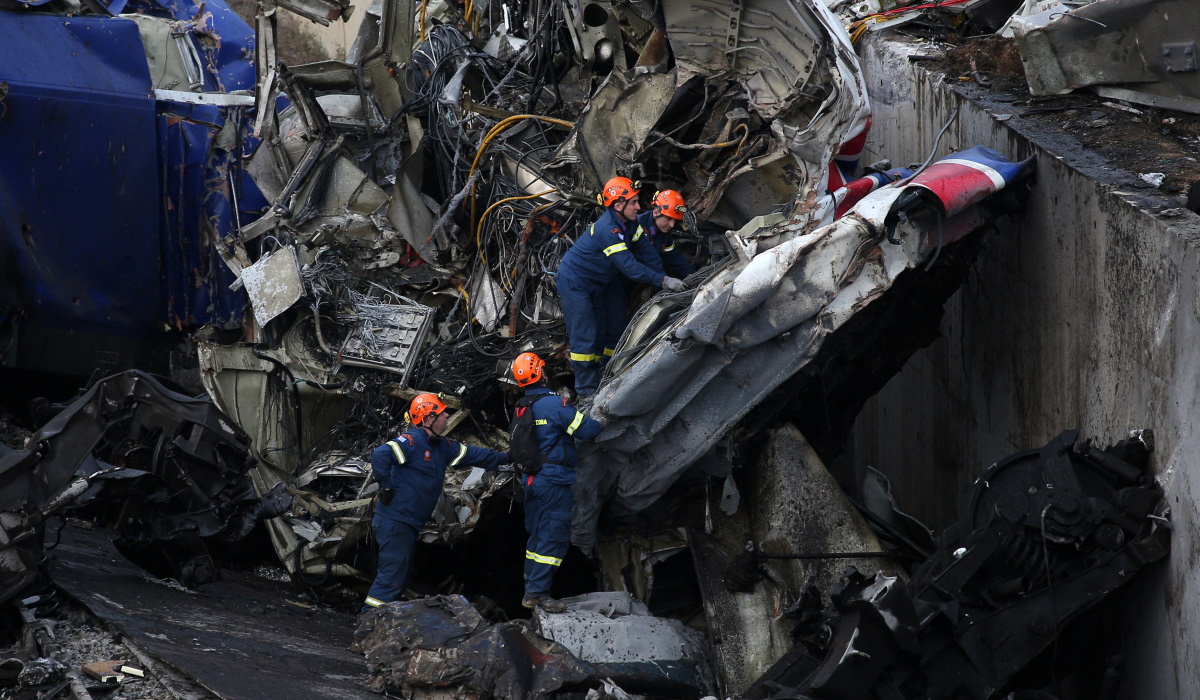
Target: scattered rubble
x: 602, y: 641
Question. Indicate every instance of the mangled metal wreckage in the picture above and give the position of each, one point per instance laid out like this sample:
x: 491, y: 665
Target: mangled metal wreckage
x: 1138, y: 51
x: 417, y: 198
x: 379, y: 270
x: 1044, y: 536
x: 167, y: 472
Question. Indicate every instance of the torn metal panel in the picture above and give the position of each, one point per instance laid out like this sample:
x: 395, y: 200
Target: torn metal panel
x: 611, y: 130
x: 171, y: 53
x: 398, y: 30
x: 797, y: 507
x: 1144, y: 48
x: 273, y: 284
x: 320, y: 11
x: 596, y: 34
x: 773, y: 47
x: 488, y: 301
x: 749, y: 327
x: 386, y: 336
x: 745, y: 634
x: 643, y: 654
x: 412, y: 217
x: 461, y: 503
x: 902, y: 531
x: 627, y: 560
x: 243, y: 380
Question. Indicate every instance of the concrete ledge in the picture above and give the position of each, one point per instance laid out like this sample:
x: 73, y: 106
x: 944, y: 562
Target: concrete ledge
x: 1084, y: 314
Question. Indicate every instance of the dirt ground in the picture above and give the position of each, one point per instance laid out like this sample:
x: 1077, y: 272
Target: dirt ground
x: 1139, y: 139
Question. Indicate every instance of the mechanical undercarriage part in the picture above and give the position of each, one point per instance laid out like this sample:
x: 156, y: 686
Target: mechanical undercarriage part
x: 1043, y: 537
x: 164, y: 470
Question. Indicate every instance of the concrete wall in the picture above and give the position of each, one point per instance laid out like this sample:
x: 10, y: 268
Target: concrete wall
x: 1084, y: 314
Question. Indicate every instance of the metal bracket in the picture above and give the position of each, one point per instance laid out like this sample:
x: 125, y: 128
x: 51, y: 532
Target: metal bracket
x: 1179, y: 58
x: 735, y: 20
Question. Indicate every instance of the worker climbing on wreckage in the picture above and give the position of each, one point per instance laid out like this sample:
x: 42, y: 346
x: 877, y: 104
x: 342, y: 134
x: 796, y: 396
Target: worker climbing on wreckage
x: 410, y: 471
x: 591, y: 282
x: 544, y: 430
x: 655, y: 226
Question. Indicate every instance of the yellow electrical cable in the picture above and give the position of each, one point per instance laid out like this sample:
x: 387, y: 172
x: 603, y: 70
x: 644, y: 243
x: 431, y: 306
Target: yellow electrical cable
x: 479, y: 224
x: 502, y: 126
x: 424, y: 4
x: 857, y: 32
x: 494, y: 132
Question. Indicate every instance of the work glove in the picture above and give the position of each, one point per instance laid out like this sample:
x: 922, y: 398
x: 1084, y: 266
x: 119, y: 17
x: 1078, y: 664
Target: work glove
x: 385, y: 496
x: 675, y: 285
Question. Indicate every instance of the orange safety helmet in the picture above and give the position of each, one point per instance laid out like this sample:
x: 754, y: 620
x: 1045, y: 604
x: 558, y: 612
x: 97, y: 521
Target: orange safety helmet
x: 527, y: 369
x: 669, y: 203
x: 618, y: 188
x: 423, y: 406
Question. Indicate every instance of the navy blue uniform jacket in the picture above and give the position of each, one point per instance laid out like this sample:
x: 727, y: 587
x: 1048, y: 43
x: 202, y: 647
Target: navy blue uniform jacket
x: 603, y: 255
x: 414, y: 467
x: 557, y: 425
x: 657, y: 250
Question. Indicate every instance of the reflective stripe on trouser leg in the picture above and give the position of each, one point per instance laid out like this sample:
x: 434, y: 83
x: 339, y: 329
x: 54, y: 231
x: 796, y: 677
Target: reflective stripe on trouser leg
x: 580, y: 306
x: 397, y: 542
x: 548, y: 521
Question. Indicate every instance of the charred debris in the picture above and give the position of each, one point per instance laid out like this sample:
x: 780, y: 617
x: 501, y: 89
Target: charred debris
x: 351, y: 232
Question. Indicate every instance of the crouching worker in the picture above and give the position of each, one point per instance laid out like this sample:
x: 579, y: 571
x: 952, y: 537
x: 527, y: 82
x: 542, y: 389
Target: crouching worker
x: 410, y: 471
x: 544, y: 430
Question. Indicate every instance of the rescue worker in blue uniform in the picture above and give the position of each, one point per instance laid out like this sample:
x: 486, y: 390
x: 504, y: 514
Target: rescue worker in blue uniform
x: 410, y: 471
x: 655, y: 227
x: 591, y: 287
x: 548, y: 498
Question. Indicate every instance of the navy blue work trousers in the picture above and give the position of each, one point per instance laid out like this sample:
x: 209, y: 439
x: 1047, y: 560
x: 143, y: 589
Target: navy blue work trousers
x: 397, y: 542
x: 548, y: 522
x: 595, y: 318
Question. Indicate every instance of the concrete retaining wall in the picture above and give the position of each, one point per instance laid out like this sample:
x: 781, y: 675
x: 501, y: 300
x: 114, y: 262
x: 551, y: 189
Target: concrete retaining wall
x: 1085, y: 314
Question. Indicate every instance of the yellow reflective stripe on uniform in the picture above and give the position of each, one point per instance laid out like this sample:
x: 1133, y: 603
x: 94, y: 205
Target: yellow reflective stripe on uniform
x: 542, y: 559
x: 670, y: 247
x: 374, y: 602
x: 462, y: 452
x: 608, y: 352
x: 638, y: 233
x: 592, y: 229
x: 575, y: 423
x: 541, y: 422
x: 398, y: 452
x: 580, y: 357
x: 615, y: 248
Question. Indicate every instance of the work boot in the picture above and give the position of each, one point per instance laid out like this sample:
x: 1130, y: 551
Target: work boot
x: 548, y: 604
